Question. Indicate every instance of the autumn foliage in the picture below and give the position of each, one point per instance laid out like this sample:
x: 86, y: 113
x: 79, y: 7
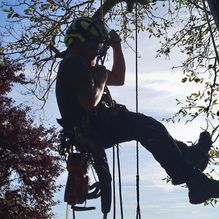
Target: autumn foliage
x: 29, y: 164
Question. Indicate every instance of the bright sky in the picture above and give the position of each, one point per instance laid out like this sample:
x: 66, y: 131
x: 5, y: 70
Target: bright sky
x: 159, y: 86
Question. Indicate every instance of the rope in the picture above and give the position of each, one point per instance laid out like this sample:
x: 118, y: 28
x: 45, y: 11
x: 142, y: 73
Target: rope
x: 138, y: 210
x: 114, y: 186
x: 73, y: 214
x: 101, y: 14
x: 120, y: 182
x: 66, y: 213
x: 114, y: 161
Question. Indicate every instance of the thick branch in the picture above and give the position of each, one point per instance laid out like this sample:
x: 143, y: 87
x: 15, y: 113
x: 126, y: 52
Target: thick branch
x: 108, y: 5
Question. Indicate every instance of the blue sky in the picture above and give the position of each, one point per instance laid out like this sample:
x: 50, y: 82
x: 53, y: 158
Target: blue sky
x: 159, y: 86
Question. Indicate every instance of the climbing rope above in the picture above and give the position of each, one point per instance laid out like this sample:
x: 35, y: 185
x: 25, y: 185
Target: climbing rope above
x: 138, y: 209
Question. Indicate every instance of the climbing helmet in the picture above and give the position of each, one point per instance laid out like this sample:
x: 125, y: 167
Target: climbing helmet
x: 86, y: 29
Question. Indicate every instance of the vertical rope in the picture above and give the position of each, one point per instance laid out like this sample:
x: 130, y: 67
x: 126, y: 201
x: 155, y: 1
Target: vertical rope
x: 104, y: 216
x: 114, y: 186
x: 136, y: 57
x: 101, y: 5
x: 138, y: 211
x: 66, y: 212
x: 120, y: 182
x: 73, y: 214
x: 114, y: 199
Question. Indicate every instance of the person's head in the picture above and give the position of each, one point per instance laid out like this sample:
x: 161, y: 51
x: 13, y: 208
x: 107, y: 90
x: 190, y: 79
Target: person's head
x: 85, y: 35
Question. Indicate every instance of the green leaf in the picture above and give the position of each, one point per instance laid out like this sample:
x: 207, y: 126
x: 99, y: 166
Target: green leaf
x: 5, y: 10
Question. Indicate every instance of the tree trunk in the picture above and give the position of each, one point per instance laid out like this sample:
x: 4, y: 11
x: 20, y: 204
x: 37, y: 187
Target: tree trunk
x: 109, y: 4
x: 214, y: 7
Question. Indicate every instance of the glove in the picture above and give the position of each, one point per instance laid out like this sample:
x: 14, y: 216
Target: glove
x: 114, y: 37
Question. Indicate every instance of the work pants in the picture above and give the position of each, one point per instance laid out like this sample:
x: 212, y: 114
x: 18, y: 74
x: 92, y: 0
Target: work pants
x: 118, y: 125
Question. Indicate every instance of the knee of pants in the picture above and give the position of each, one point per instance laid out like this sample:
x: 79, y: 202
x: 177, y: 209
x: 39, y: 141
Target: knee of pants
x: 151, y: 128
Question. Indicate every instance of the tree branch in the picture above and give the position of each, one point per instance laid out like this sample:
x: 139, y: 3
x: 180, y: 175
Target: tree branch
x: 108, y: 5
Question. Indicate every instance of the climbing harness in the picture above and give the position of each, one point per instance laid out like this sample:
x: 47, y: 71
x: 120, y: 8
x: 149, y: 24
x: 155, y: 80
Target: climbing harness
x: 82, y: 151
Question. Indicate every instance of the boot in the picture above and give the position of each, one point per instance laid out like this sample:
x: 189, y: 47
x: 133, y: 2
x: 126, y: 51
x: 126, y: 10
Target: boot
x: 201, y: 188
x: 197, y: 155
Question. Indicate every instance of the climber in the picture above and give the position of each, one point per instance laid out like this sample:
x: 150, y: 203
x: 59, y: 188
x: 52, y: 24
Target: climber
x: 80, y: 90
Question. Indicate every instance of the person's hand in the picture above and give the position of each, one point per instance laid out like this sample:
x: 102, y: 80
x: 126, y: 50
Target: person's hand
x: 114, y: 38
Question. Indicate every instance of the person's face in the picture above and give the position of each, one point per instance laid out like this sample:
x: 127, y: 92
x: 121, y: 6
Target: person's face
x: 91, y: 50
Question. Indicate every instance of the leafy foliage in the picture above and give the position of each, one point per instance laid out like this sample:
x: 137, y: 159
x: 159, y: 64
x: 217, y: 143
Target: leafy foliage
x: 201, y: 64
x: 28, y: 159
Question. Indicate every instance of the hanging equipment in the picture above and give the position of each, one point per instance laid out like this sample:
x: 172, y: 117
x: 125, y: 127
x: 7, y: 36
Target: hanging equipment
x: 81, y: 151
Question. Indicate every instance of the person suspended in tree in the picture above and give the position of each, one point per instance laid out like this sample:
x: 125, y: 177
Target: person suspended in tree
x: 81, y: 98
